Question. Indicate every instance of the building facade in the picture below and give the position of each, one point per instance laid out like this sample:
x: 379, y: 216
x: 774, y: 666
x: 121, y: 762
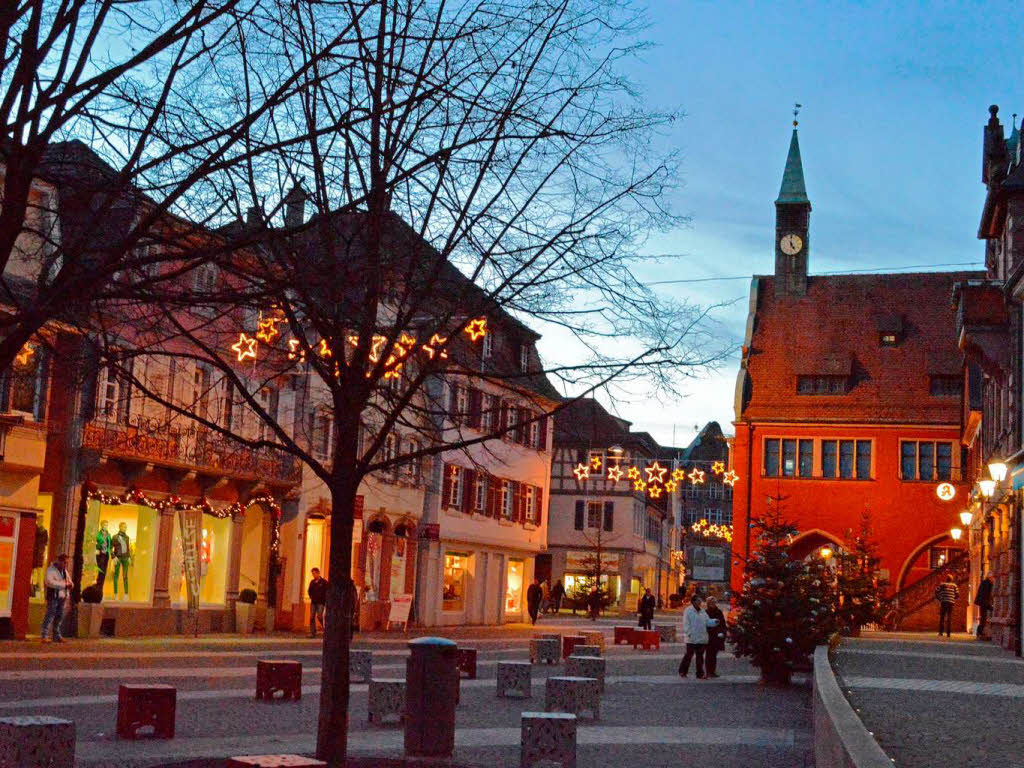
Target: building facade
x: 848, y: 403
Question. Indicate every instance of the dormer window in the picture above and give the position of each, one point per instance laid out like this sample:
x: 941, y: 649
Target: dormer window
x: 890, y: 330
x: 822, y: 385
x: 889, y: 340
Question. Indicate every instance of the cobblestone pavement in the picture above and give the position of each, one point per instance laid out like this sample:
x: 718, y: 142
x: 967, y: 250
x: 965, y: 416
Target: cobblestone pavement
x: 929, y: 702
x: 649, y: 716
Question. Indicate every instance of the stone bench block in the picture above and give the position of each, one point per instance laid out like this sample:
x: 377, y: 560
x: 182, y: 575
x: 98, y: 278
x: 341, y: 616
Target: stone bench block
x: 648, y: 639
x: 465, y: 660
x: 275, y: 761
x: 360, y: 666
x: 569, y: 642
x: 139, y: 706
x: 548, y: 737
x: 666, y: 632
x: 546, y: 650
x: 579, y: 665
x: 586, y: 650
x: 594, y: 637
x: 514, y: 677
x: 573, y: 694
x: 386, y: 700
x: 37, y: 741
x: 277, y: 675
x: 623, y: 635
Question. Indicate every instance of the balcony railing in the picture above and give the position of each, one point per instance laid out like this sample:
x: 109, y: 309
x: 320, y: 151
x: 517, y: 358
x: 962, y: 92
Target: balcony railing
x: 188, y: 447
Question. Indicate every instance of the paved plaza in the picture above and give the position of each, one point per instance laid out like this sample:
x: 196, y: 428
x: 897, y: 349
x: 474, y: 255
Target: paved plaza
x: 649, y: 716
x: 931, y: 701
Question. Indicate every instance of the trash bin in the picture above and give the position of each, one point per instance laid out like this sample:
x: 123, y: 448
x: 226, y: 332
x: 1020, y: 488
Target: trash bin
x: 431, y: 688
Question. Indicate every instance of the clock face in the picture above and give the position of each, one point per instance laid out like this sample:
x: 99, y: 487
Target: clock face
x: 791, y: 244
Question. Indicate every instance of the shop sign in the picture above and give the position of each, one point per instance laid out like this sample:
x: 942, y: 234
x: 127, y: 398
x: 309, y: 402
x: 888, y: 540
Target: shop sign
x: 945, y: 491
x: 399, y: 611
x: 581, y: 560
x: 431, y: 532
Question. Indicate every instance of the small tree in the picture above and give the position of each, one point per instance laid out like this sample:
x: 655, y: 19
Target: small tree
x: 787, y: 605
x: 860, y: 586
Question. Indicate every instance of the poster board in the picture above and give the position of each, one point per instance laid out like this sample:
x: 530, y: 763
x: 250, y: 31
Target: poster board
x: 708, y: 563
x: 399, y: 611
x: 632, y: 603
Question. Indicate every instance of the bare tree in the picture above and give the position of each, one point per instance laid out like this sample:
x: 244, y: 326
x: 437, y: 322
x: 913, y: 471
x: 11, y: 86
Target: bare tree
x: 487, y: 164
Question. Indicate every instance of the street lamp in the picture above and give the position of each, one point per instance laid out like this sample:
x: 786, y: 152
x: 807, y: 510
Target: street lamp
x: 616, y: 451
x: 956, y: 533
x: 965, y: 517
x: 998, y: 470
x: 987, y: 487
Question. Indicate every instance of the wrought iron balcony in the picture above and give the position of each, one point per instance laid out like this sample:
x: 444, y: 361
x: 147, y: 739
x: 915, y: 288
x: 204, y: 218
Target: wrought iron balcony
x: 188, y: 447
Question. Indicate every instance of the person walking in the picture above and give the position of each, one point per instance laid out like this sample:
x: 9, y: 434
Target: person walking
x: 545, y: 596
x: 557, y: 593
x: 594, y: 603
x: 317, y: 591
x: 983, y: 599
x: 695, y: 627
x: 716, y: 637
x: 533, y: 597
x: 58, y: 590
x: 946, y: 593
x: 646, y: 609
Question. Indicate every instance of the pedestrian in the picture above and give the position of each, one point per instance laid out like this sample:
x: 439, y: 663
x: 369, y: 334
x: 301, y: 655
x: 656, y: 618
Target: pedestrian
x: 533, y: 597
x: 646, y: 609
x: 58, y: 590
x: 983, y: 599
x: 716, y: 636
x: 557, y: 593
x: 317, y: 591
x: 594, y: 603
x: 946, y: 593
x: 695, y: 628
x: 545, y: 596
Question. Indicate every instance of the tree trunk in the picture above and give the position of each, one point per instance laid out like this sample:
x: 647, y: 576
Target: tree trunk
x: 332, y: 726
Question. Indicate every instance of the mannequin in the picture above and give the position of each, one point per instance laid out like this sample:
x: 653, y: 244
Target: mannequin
x: 121, y: 548
x: 102, y: 553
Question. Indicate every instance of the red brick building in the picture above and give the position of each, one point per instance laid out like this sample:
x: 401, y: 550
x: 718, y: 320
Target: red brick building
x: 848, y: 400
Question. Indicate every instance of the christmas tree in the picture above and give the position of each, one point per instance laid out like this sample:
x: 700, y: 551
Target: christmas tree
x: 859, y: 585
x: 787, y: 605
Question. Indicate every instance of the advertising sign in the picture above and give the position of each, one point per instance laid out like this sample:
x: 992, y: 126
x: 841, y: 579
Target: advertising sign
x: 8, y: 539
x: 399, y: 613
x: 708, y: 563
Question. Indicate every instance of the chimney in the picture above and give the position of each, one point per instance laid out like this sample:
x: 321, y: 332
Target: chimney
x: 995, y: 158
x: 295, y: 206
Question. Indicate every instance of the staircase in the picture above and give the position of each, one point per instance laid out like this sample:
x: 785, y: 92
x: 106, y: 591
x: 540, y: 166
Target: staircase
x: 921, y: 594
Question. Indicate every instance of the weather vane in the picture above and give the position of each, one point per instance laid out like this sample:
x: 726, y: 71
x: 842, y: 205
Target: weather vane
x: 796, y: 111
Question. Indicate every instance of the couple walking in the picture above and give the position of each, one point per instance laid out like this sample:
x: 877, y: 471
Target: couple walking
x: 705, y: 636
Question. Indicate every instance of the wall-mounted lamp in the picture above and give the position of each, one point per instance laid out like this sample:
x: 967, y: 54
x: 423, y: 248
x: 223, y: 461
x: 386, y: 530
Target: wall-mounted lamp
x: 998, y: 470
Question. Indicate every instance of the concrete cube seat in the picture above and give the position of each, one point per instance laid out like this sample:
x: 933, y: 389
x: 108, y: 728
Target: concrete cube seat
x: 275, y: 761
x: 586, y: 650
x: 648, y: 639
x: 666, y: 632
x: 579, y: 665
x: 141, y: 706
x: 548, y: 737
x: 465, y: 660
x: 514, y: 677
x: 544, y: 650
x: 360, y: 666
x: 623, y: 635
x: 278, y: 675
x: 386, y: 700
x: 569, y: 642
x: 594, y: 637
x: 37, y: 741
x: 573, y: 694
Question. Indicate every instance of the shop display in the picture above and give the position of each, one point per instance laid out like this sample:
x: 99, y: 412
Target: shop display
x: 103, y: 545
x: 121, y: 549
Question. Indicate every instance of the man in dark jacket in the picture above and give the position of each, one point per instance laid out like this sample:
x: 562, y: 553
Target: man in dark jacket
x: 983, y: 599
x: 946, y: 593
x: 646, y: 609
x: 533, y: 596
x: 317, y: 592
x: 557, y: 593
x: 716, y: 637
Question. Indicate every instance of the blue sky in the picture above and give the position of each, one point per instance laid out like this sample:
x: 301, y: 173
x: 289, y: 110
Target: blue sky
x: 894, y: 99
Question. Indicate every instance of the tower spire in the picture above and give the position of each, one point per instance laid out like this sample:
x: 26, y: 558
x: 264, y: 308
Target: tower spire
x: 793, y: 189
x: 792, y: 223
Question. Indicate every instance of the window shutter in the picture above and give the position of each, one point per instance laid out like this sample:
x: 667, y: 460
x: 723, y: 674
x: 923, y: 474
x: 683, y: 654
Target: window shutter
x: 475, y: 407
x: 502, y: 413
x: 581, y: 509
x: 493, y: 485
x: 538, y: 496
x: 468, y: 490
x: 446, y: 486
x: 523, y: 432
x: 609, y: 515
x: 518, y: 502
x: 543, y: 434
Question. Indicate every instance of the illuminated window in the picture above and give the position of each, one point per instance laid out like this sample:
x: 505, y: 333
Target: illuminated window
x: 214, y: 554
x: 453, y: 596
x: 514, y: 586
x: 129, y: 542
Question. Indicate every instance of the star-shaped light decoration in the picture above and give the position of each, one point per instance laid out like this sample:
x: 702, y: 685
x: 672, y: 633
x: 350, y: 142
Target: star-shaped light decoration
x: 323, y: 349
x: 718, y: 467
x: 245, y: 347
x: 615, y: 473
x: 582, y: 472
x: 638, y: 484
x: 295, y: 352
x: 266, y: 330
x: 477, y: 329
x: 377, y: 347
x: 595, y: 463
x: 633, y: 473
x: 654, y: 491
x: 697, y: 476
x: 678, y: 475
x: 395, y: 371
x: 25, y: 354
x: 730, y: 478
x: 436, y: 347
x: 406, y: 342
x: 671, y: 485
x: 656, y: 473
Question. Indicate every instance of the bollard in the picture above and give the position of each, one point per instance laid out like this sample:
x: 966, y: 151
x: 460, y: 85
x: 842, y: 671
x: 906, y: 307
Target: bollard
x: 432, y: 684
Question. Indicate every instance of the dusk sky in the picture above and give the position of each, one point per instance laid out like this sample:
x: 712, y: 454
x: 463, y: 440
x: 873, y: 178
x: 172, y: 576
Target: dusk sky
x: 894, y: 99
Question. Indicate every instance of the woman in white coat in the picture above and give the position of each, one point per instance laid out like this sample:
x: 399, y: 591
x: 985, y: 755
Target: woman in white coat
x: 695, y: 627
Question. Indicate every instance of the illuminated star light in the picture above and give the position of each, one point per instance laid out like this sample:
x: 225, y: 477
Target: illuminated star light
x: 245, y: 347
x: 294, y: 352
x: 582, y: 472
x: 436, y: 347
x: 323, y: 349
x: 656, y: 469
x: 406, y: 343
x: 595, y: 462
x: 477, y: 329
x: 678, y: 475
x: 697, y: 476
x: 654, y: 491
x: 718, y: 467
x: 633, y: 473
x: 638, y: 484
x: 266, y: 330
x: 730, y: 478
x: 25, y: 354
x: 615, y: 474
x: 671, y: 486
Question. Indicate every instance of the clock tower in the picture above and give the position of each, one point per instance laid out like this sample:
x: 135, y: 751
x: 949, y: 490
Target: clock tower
x: 792, y: 220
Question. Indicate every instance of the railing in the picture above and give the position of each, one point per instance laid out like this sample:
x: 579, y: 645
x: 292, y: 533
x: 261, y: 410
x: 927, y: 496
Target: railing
x: 922, y: 592
x: 152, y: 440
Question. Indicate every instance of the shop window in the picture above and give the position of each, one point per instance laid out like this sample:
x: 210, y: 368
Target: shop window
x: 316, y: 529
x: 453, y: 596
x: 120, y: 541
x: 41, y: 551
x: 514, y: 587
x: 8, y: 540
x: 214, y: 553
